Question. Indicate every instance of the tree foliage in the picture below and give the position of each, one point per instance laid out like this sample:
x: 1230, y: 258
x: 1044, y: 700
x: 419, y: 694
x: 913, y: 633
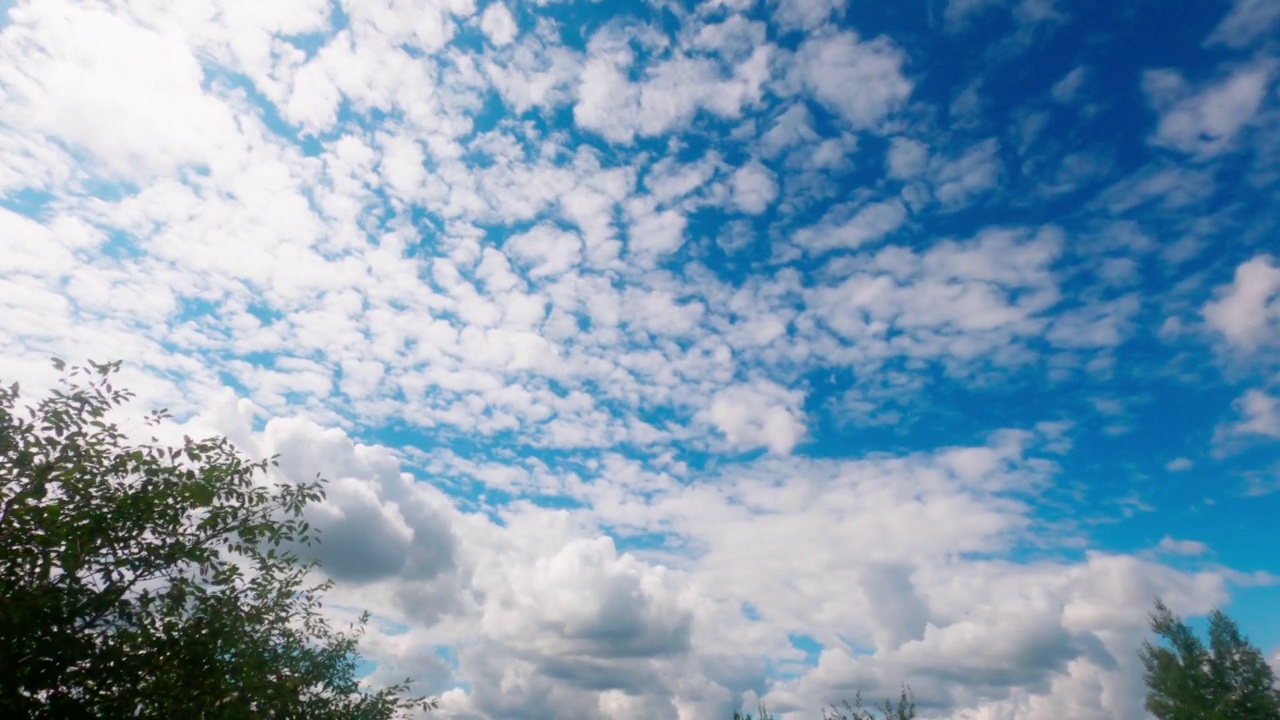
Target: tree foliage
x: 1188, y: 681
x: 147, y: 581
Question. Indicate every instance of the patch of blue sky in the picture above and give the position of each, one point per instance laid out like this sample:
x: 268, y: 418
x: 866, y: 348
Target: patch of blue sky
x: 449, y: 656
x: 365, y: 668
x: 120, y: 246
x: 311, y: 43
x: 31, y: 202
x: 628, y: 539
x: 807, y: 645
x: 229, y: 81
x: 109, y: 189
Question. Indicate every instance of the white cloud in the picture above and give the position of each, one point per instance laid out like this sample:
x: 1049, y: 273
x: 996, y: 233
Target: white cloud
x: 1065, y: 90
x: 32, y: 162
x: 538, y: 73
x: 498, y: 24
x: 907, y: 158
x: 845, y: 227
x: 585, y: 601
x: 1204, y: 123
x: 958, y: 181
x: 129, y: 96
x: 1165, y: 185
x: 735, y: 39
x: 1259, y: 414
x: 1247, y: 312
x: 1247, y: 21
x: 861, y: 81
x: 793, y: 127
x: 669, y: 94
x: 1182, y: 547
x: 1097, y: 324
x: 963, y: 303
x: 652, y: 231
x: 760, y: 414
x: 550, y: 250
x: 805, y: 14
x: 543, y: 610
x: 967, y: 105
x: 754, y: 188
x: 1039, y: 635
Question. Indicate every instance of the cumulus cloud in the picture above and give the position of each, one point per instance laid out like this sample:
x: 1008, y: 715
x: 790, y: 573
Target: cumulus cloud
x: 754, y: 188
x: 1182, y: 547
x: 844, y: 227
x: 762, y: 414
x: 548, y: 249
x: 1247, y: 311
x: 958, y: 181
x: 668, y: 95
x: 1206, y: 122
x: 965, y: 301
x: 655, y: 231
x: 1259, y: 414
x: 540, y: 72
x: 792, y: 127
x: 906, y: 158
x: 587, y: 601
x: 131, y: 97
x: 861, y: 80
x: 498, y: 24
x: 954, y: 180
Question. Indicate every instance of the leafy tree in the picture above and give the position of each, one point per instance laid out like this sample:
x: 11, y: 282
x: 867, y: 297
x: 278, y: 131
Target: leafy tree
x: 1188, y: 681
x: 146, y: 581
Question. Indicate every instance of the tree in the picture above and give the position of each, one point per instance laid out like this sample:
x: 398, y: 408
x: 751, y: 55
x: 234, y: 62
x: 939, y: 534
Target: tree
x: 1188, y: 681
x: 146, y: 581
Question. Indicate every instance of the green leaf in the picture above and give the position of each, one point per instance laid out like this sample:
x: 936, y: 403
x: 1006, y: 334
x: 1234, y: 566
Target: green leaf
x: 202, y: 495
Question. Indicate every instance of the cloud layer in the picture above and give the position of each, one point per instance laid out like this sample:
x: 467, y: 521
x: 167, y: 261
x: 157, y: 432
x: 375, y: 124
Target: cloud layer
x: 668, y: 357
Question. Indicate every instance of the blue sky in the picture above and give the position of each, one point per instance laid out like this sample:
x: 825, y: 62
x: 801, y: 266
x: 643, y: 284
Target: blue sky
x: 666, y: 356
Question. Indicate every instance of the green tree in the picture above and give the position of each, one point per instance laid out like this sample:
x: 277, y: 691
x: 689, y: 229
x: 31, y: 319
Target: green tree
x: 1188, y: 681
x: 147, y: 581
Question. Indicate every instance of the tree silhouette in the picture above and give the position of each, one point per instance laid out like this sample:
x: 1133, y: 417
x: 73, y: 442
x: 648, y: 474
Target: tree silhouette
x: 1188, y: 681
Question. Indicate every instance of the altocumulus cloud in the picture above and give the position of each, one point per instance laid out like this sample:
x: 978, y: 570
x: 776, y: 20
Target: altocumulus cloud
x: 669, y: 356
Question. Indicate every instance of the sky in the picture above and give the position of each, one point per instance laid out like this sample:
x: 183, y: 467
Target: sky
x: 666, y: 357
